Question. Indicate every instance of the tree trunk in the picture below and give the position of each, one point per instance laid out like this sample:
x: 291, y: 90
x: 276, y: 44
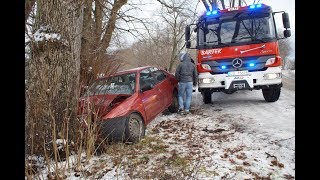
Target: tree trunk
x: 54, y: 73
x: 28, y: 8
x: 105, y: 42
x: 222, y: 4
x: 174, y: 44
x: 86, y: 45
x: 97, y: 39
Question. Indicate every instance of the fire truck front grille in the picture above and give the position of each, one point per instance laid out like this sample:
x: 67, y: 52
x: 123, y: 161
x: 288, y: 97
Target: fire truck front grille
x: 254, y: 63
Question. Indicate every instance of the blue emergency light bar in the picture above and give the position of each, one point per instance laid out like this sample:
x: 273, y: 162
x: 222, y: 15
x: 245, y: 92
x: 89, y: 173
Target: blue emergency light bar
x: 214, y: 12
x: 253, y: 6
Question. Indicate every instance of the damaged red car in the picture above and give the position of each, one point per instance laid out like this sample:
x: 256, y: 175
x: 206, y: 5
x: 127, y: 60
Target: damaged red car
x: 124, y: 103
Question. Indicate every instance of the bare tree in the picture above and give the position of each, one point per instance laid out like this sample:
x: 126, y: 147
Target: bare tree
x: 51, y: 97
x: 221, y: 4
x: 100, y: 18
x: 285, y: 51
x: 154, y: 50
x: 175, y: 15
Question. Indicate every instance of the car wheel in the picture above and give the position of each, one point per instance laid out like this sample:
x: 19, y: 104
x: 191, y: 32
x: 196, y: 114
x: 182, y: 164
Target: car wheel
x: 135, y: 128
x: 174, y: 107
x: 206, y: 97
x: 271, y: 94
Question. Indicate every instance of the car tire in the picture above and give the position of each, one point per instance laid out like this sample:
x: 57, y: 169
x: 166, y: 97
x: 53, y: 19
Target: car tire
x: 271, y: 94
x: 174, y: 107
x: 135, y: 128
x: 206, y: 97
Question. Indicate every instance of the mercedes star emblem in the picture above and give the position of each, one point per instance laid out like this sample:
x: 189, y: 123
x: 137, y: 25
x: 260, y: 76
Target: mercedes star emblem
x: 237, y: 63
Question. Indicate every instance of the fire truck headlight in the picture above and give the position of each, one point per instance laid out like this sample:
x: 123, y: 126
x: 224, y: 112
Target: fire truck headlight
x: 270, y: 61
x: 206, y: 66
x: 272, y: 75
x: 206, y: 80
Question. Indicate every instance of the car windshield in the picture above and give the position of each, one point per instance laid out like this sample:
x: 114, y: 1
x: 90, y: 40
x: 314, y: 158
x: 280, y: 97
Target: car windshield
x: 243, y: 29
x: 121, y: 84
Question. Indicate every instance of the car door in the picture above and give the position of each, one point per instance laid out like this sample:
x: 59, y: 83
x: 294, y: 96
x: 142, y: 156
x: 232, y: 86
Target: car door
x: 164, y: 86
x: 151, y: 99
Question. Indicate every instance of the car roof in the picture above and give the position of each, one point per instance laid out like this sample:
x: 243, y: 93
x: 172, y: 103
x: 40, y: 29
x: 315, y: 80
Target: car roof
x: 126, y: 71
x: 132, y: 70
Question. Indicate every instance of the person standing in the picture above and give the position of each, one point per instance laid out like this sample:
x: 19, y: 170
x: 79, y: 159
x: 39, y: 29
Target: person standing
x: 186, y: 75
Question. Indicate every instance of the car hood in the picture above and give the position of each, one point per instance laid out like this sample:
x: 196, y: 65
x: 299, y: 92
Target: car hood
x: 100, y: 104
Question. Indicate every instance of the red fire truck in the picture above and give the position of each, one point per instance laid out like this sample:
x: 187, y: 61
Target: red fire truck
x: 237, y: 49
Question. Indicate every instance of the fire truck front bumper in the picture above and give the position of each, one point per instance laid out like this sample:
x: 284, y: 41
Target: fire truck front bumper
x: 240, y: 80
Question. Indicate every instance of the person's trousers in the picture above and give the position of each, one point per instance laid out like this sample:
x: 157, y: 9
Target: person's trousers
x: 185, y: 89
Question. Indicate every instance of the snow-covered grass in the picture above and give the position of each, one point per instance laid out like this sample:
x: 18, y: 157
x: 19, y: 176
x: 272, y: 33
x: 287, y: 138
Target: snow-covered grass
x: 238, y: 136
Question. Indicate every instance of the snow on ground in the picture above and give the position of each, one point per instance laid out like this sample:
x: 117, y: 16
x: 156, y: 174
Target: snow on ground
x: 238, y: 136
x: 289, y: 73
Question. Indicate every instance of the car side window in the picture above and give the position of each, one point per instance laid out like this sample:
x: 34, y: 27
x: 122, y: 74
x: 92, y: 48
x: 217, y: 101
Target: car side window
x: 159, y: 75
x: 146, y: 78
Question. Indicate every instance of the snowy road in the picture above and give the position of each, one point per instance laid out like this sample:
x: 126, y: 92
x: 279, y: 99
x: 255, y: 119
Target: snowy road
x: 277, y: 119
x: 240, y: 135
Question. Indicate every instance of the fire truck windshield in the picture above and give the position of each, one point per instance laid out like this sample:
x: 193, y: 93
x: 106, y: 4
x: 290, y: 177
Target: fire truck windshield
x: 229, y: 31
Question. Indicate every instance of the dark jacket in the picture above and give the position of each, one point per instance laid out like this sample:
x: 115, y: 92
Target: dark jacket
x: 186, y: 70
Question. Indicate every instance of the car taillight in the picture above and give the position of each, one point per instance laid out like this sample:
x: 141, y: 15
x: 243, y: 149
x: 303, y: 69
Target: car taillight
x: 272, y: 62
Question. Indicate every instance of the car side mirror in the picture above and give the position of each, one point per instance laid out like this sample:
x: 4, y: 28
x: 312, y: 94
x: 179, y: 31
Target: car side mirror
x: 146, y: 87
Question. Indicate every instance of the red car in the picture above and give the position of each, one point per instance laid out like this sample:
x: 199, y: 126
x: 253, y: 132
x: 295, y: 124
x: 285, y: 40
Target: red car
x: 125, y: 102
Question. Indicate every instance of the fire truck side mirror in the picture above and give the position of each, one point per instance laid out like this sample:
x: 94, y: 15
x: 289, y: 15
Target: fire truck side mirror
x: 187, y: 33
x: 188, y: 44
x: 285, y: 20
x: 287, y: 33
x: 187, y: 37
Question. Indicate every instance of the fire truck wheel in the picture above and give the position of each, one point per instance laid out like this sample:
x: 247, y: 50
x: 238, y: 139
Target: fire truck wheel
x: 135, y: 128
x: 271, y: 94
x: 206, y: 97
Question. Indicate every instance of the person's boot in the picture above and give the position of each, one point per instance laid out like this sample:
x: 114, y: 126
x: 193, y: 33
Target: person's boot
x: 181, y: 111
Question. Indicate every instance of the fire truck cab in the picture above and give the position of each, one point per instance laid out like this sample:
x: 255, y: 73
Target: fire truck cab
x: 237, y: 49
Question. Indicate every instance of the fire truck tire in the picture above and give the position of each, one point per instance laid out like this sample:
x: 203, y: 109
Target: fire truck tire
x: 206, y: 97
x: 271, y: 94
